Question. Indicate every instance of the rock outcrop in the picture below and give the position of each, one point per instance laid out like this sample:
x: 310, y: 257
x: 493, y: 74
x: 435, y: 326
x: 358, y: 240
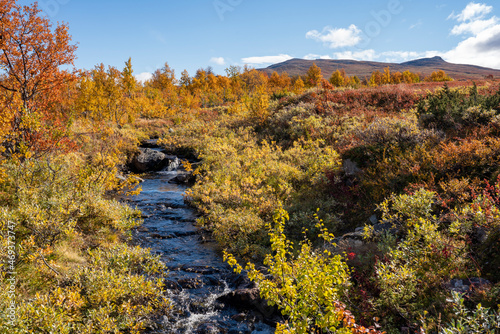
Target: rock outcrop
x: 150, y: 160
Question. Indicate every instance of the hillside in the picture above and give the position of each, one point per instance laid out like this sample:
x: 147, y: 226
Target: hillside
x: 363, y: 69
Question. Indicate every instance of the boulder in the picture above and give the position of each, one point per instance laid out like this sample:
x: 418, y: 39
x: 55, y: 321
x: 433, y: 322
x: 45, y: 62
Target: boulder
x: 353, y: 239
x: 150, y: 143
x: 386, y: 227
x: 467, y: 285
x: 350, y: 167
x: 248, y: 298
x: 184, y: 177
x: 150, y: 160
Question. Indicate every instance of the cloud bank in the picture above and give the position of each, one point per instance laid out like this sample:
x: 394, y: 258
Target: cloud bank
x: 337, y: 37
x: 266, y: 59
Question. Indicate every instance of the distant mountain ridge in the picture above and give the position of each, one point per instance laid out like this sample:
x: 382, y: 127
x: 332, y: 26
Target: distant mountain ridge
x: 363, y: 69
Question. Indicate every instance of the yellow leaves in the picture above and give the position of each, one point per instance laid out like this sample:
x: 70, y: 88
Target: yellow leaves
x: 187, y: 165
x: 259, y: 104
x: 314, y: 76
x: 242, y: 181
x: 438, y: 76
x: 231, y: 260
x: 109, y: 95
x: 236, y: 108
x: 301, y: 285
x: 298, y: 86
x: 134, y: 192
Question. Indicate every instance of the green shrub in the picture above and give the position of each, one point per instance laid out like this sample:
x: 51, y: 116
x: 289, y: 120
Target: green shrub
x: 450, y: 109
x: 481, y: 320
x: 412, y: 276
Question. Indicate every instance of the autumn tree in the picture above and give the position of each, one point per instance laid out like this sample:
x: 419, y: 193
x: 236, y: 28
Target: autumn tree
x: 225, y: 89
x: 215, y: 89
x: 376, y: 79
x: 285, y: 80
x: 185, y: 79
x: 259, y: 104
x: 397, y: 77
x: 164, y: 81
x: 31, y: 54
x: 274, y: 81
x: 163, y: 78
x: 128, y: 86
x: 298, y: 86
x: 127, y: 81
x: 438, y: 76
x: 314, y: 76
x: 199, y: 86
x: 339, y: 78
x: 99, y: 94
x: 355, y: 81
x: 387, y: 76
x: 253, y: 79
x: 409, y: 77
x: 279, y: 83
x: 233, y: 71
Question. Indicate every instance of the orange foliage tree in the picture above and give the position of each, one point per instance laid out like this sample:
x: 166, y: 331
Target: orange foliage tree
x: 339, y: 78
x: 314, y: 76
x: 438, y: 76
x: 31, y: 54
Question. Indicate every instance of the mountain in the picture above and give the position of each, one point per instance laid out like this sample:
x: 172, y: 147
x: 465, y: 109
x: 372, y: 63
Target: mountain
x: 363, y: 69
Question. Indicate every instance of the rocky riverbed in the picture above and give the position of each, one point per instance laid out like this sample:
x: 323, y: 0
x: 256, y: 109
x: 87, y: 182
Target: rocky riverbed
x: 207, y: 296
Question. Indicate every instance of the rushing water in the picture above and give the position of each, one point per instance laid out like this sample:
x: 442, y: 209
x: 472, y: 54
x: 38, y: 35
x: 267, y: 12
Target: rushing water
x: 197, y: 276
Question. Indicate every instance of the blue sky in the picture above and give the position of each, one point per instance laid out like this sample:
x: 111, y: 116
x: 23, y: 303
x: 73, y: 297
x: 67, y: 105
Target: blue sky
x: 189, y: 34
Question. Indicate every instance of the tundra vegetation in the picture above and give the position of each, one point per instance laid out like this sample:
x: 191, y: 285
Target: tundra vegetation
x: 287, y: 165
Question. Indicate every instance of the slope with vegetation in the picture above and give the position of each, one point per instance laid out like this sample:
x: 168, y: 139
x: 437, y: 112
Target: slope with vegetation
x: 426, y: 164
x: 363, y: 69
x: 287, y: 163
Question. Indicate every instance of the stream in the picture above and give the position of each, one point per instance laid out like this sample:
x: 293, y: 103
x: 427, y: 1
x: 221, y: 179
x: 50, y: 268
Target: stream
x: 198, y: 280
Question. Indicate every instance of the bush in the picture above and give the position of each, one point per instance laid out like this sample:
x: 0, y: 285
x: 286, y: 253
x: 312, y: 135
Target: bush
x: 412, y: 275
x: 305, y: 286
x: 451, y: 109
x: 60, y: 207
x: 243, y: 183
x: 480, y: 320
x: 109, y: 294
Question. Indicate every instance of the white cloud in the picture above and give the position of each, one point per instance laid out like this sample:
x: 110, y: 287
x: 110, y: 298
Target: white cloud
x: 406, y: 55
x: 336, y: 37
x: 312, y: 56
x: 483, y: 47
x: 474, y: 27
x: 266, y: 59
x: 218, y: 60
x: 369, y: 54
x: 402, y: 56
x: 143, y: 77
x: 388, y: 56
x: 473, y: 11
